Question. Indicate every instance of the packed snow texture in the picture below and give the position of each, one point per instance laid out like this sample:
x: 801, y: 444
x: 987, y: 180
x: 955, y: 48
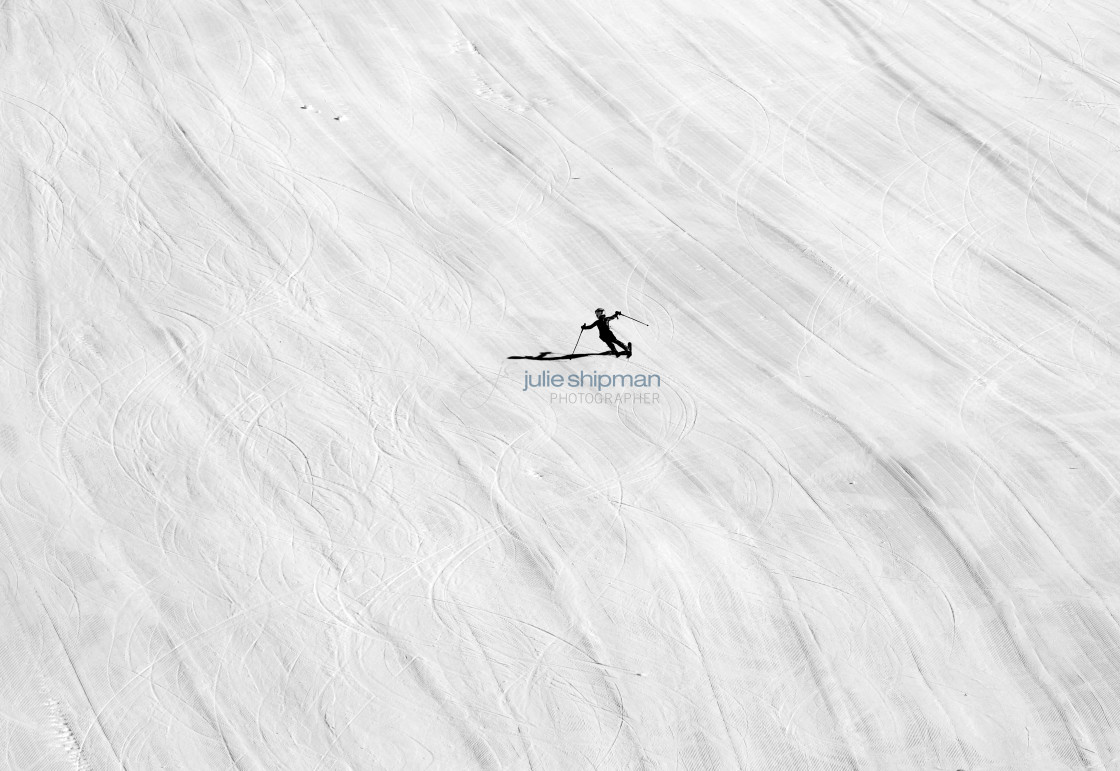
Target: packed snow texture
x: 274, y: 497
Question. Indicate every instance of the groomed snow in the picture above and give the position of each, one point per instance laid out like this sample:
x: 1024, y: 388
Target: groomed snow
x: 272, y: 495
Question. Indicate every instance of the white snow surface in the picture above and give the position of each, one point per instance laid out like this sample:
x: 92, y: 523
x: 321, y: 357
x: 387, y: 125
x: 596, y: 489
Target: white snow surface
x: 273, y: 496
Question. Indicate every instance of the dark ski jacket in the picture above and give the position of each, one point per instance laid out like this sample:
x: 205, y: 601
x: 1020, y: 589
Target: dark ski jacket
x: 603, y: 324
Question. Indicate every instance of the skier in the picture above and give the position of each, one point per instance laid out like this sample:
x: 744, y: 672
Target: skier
x: 602, y: 321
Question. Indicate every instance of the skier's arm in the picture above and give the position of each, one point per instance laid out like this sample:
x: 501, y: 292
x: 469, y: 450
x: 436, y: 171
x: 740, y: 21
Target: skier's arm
x: 616, y: 315
x: 587, y: 326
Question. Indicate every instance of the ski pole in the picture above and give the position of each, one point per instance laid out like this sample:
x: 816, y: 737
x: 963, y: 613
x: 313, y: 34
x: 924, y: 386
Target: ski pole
x: 577, y: 340
x: 620, y: 313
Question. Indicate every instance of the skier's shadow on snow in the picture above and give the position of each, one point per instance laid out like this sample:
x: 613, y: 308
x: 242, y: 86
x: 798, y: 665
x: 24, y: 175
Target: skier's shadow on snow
x: 548, y: 356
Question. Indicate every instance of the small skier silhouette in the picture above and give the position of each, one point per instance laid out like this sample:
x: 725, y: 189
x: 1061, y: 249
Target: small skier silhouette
x: 603, y: 322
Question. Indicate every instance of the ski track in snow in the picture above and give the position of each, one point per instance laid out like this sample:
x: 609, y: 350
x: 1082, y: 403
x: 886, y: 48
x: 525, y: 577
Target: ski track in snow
x: 272, y: 496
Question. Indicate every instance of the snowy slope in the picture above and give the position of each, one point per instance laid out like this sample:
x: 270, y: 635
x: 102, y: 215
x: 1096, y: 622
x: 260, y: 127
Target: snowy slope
x: 273, y: 496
